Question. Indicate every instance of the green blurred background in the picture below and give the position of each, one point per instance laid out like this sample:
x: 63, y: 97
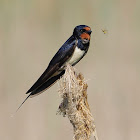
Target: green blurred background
x: 31, y: 31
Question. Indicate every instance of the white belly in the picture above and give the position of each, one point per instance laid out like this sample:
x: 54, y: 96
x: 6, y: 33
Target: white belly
x: 78, y: 53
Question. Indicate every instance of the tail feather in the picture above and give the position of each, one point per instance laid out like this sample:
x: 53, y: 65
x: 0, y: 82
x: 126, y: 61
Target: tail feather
x: 40, y: 89
x: 21, y: 104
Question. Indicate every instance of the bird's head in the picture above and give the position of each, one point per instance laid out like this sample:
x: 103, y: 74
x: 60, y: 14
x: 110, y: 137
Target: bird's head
x: 82, y: 32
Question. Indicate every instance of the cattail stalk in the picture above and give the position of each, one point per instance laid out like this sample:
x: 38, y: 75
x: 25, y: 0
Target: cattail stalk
x: 74, y: 105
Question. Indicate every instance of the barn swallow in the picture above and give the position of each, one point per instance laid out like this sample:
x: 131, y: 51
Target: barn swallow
x: 71, y: 52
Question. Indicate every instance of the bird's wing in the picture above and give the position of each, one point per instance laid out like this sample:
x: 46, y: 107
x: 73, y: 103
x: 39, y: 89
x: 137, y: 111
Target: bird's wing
x: 63, y: 54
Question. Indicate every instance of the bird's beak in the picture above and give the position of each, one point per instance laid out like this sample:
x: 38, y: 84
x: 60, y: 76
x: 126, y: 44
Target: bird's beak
x: 89, y: 32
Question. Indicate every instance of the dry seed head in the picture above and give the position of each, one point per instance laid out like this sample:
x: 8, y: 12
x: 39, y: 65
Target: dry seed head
x: 74, y: 105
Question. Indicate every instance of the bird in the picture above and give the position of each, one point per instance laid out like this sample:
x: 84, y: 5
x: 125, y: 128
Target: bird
x: 71, y: 52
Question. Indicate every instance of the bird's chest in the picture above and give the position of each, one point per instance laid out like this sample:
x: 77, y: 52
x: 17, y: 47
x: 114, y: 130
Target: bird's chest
x: 77, y: 55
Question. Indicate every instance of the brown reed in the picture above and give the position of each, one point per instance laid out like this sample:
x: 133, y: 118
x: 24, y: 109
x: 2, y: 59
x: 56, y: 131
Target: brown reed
x: 74, y: 105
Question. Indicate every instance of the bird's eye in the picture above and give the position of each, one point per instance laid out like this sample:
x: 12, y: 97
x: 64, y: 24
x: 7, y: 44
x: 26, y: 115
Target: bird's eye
x: 82, y: 30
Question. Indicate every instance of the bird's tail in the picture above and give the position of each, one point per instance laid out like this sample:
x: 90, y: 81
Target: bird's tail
x: 21, y: 104
x: 40, y: 89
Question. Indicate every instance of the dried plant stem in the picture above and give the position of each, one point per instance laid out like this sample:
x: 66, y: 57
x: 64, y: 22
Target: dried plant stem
x: 74, y: 105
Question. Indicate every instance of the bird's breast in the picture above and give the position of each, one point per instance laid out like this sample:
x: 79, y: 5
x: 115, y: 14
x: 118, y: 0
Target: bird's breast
x: 77, y: 55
